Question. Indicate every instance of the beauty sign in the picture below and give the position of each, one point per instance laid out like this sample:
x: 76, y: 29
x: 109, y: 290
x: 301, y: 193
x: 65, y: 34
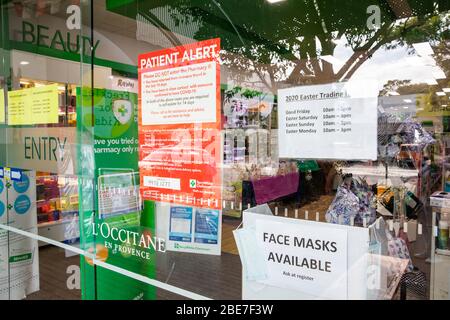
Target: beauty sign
x: 179, y: 125
x: 310, y: 259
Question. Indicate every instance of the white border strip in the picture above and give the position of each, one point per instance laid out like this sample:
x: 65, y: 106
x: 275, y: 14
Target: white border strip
x: 156, y: 283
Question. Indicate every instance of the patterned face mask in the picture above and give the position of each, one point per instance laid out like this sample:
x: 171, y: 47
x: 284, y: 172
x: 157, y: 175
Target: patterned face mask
x: 413, y: 133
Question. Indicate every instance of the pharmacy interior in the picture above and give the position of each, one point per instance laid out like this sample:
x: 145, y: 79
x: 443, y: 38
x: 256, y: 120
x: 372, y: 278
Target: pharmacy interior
x: 190, y: 149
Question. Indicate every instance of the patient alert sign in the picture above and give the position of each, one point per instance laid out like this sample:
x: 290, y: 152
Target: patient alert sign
x: 179, y: 125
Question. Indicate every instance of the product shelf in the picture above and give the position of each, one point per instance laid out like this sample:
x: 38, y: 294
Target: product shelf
x: 56, y: 222
x: 443, y: 252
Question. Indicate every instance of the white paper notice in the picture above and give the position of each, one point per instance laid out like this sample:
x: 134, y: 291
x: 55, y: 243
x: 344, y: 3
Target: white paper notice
x: 310, y: 259
x: 179, y: 95
x: 180, y: 225
x: 332, y: 121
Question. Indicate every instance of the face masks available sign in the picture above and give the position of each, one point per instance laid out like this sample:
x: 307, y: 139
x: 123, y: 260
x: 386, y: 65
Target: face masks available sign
x: 306, y: 258
x: 179, y: 125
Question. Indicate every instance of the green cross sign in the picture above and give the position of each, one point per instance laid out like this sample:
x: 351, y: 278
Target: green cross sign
x: 122, y: 110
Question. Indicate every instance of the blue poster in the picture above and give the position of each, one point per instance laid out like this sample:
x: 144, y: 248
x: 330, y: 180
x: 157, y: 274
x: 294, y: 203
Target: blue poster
x: 2, y: 208
x: 22, y: 185
x: 2, y: 205
x: 180, y: 224
x: 206, y: 226
x: 22, y: 204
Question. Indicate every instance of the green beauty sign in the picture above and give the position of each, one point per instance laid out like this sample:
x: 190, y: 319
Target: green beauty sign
x: 41, y: 36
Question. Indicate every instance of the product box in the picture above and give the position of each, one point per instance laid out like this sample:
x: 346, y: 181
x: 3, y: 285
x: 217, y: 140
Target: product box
x: 412, y: 230
x: 440, y: 199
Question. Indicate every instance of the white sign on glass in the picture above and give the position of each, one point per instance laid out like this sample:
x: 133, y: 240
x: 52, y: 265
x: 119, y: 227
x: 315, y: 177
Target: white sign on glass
x: 183, y: 94
x: 331, y: 121
x: 309, y: 259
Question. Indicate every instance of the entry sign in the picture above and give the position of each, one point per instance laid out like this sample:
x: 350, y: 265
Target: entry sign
x: 308, y: 258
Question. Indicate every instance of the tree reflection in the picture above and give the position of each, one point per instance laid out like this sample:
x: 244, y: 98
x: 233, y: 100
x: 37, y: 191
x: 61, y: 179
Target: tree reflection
x: 294, y: 42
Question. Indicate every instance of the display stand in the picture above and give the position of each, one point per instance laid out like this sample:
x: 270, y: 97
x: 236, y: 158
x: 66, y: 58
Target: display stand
x: 440, y: 258
x: 57, y: 205
x: 267, y: 189
x: 19, y: 255
x: 59, y: 230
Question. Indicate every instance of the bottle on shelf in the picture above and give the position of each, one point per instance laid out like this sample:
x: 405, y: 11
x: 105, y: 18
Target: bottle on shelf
x: 443, y: 232
x: 447, y: 182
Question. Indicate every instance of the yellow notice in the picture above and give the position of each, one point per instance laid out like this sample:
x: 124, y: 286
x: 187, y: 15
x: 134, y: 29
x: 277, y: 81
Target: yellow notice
x: 44, y: 105
x: 2, y: 106
x: 17, y: 111
x: 33, y: 106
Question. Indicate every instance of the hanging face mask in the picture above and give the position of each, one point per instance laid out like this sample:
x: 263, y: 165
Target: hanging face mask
x: 252, y: 258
